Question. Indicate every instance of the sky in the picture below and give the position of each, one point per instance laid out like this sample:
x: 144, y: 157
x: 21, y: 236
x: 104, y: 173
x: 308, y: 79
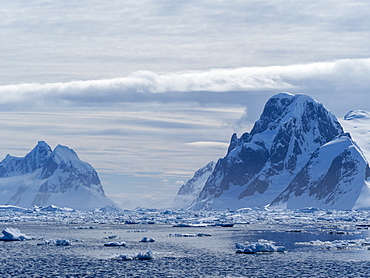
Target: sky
x: 148, y: 92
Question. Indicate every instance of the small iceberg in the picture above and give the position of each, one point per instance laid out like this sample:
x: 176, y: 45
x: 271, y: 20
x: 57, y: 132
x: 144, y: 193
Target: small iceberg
x: 110, y: 237
x: 123, y: 257
x: 189, y: 235
x: 116, y: 243
x: 184, y: 225
x: 148, y: 255
x: 57, y: 242
x: 13, y: 234
x: 145, y: 239
x: 339, y: 244
x: 261, y: 246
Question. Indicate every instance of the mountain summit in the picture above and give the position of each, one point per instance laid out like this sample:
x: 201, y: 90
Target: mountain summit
x: 292, y: 132
x: 50, y: 177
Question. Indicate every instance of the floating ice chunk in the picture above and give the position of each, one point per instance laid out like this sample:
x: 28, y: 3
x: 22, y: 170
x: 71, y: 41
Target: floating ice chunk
x: 45, y: 242
x: 57, y: 242
x: 62, y: 242
x: 339, y: 244
x: 257, y: 247
x: 116, y: 243
x: 145, y: 239
x: 240, y: 246
x: 184, y: 225
x: 189, y: 235
x: 137, y: 231
x: 110, y: 237
x: 13, y: 234
x: 123, y: 257
x: 86, y: 227
x: 148, y: 255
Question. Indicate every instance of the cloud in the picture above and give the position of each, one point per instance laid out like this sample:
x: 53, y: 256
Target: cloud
x: 212, y: 86
x: 209, y: 144
x: 96, y: 40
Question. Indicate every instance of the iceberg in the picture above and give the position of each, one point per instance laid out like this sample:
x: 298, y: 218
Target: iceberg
x: 261, y: 246
x: 13, y: 234
x: 145, y: 239
x: 148, y: 255
x: 116, y: 243
x: 57, y: 242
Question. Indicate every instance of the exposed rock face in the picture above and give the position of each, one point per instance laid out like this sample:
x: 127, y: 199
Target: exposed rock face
x: 261, y: 164
x: 45, y: 177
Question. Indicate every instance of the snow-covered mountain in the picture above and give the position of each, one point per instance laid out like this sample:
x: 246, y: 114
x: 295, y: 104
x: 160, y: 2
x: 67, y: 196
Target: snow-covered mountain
x: 50, y: 177
x: 189, y: 191
x: 293, y: 134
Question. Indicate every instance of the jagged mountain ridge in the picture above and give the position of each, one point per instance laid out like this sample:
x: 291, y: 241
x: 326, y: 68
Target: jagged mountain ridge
x: 261, y: 164
x: 50, y: 177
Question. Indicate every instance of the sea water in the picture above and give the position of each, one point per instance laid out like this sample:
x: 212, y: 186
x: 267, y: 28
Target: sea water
x: 327, y: 248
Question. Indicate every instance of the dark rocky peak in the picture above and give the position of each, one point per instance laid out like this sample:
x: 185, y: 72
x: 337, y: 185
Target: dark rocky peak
x: 36, y: 158
x: 298, y: 112
x: 293, y: 120
x: 13, y: 166
x: 274, y: 110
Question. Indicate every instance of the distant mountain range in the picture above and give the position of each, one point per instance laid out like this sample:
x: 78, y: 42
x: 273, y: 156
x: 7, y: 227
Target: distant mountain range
x: 296, y: 155
x: 50, y: 177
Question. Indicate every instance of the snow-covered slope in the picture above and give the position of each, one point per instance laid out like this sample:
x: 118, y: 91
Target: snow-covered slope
x: 333, y: 178
x: 50, y: 177
x: 261, y: 164
x: 189, y: 191
x: 357, y: 123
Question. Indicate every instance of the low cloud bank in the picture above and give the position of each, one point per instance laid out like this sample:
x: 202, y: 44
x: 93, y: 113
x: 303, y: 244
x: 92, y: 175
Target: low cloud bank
x: 145, y: 86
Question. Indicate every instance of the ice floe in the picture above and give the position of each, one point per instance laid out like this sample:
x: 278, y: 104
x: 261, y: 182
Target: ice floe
x: 13, y: 234
x: 145, y: 239
x: 115, y: 243
x: 56, y: 242
x: 148, y: 255
x: 261, y: 246
x: 110, y: 237
x: 189, y: 235
x: 339, y: 244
